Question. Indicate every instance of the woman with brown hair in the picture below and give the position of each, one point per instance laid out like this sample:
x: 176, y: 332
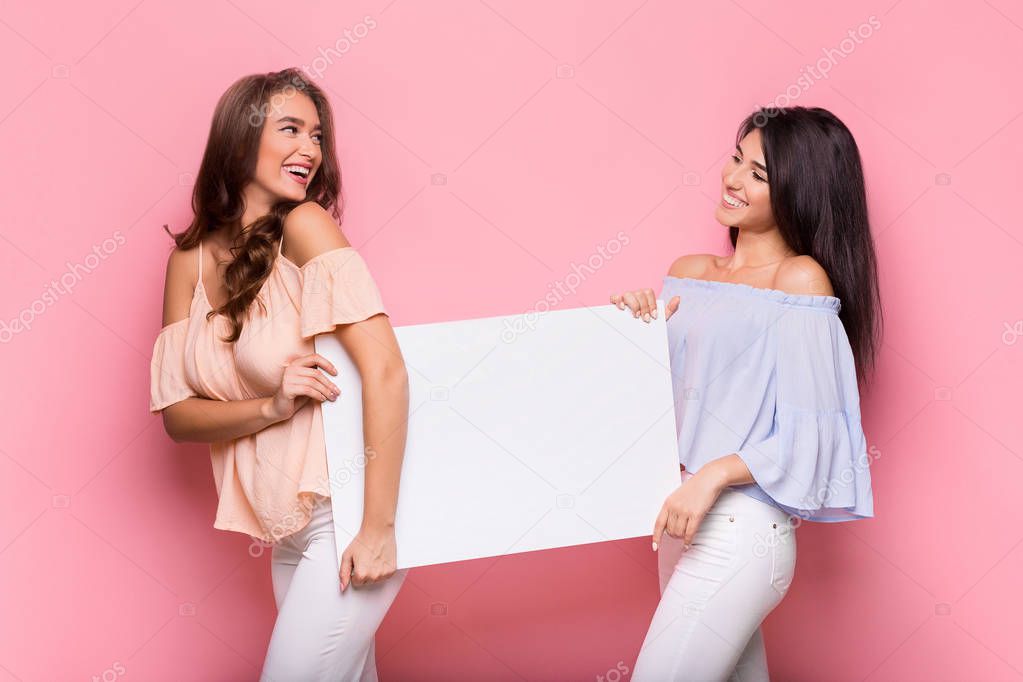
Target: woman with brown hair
x: 260, y: 271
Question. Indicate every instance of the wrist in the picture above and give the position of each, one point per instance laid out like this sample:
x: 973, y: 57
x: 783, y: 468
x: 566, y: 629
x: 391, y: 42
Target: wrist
x: 266, y: 411
x: 377, y: 527
x: 714, y: 474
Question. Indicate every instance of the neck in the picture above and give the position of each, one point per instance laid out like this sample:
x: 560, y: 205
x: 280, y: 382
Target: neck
x: 759, y: 249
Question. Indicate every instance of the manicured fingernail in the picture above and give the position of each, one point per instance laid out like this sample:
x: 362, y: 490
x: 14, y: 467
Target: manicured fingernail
x: 655, y: 546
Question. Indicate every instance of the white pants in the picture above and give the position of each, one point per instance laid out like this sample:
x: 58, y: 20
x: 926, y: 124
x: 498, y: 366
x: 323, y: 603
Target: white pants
x: 715, y: 594
x: 322, y: 634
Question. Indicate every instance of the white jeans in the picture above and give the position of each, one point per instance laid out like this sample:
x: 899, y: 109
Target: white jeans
x: 715, y: 594
x: 320, y: 633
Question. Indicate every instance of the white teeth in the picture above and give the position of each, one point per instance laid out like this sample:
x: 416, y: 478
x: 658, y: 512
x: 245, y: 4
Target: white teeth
x: 298, y: 169
x: 732, y: 201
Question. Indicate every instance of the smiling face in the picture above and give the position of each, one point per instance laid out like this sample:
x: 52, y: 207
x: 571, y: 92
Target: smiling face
x: 745, y: 194
x: 289, y: 149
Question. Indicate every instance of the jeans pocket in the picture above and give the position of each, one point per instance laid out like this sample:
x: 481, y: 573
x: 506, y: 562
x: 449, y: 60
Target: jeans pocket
x: 715, y: 542
x: 783, y: 556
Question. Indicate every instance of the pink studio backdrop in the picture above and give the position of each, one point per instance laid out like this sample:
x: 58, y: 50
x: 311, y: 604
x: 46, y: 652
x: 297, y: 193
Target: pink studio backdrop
x: 487, y: 149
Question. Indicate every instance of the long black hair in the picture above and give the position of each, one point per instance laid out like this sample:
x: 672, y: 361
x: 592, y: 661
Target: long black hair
x: 819, y: 203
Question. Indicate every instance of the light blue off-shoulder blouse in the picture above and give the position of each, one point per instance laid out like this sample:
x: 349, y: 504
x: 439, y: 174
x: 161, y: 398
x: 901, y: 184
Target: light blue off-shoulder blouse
x: 770, y: 376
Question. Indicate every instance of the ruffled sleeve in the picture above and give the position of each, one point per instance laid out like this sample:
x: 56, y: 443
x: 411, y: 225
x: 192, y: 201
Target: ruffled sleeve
x: 337, y: 288
x: 814, y: 463
x: 167, y: 384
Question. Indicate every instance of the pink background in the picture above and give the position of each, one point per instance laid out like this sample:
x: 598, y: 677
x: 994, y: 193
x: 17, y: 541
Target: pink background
x: 486, y: 147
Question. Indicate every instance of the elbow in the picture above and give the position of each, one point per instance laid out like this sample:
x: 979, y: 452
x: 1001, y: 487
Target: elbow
x: 390, y: 375
x: 170, y: 426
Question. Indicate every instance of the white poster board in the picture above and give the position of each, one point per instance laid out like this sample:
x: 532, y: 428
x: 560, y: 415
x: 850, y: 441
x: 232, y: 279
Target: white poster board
x: 524, y: 433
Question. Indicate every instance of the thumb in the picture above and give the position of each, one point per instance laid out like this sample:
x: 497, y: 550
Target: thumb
x: 662, y: 521
x: 671, y: 308
x: 346, y: 569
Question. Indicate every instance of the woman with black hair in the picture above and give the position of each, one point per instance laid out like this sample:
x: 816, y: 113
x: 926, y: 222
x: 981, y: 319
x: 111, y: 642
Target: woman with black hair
x: 766, y: 346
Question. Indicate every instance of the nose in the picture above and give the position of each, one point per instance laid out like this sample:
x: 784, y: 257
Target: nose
x: 308, y: 149
x: 731, y: 179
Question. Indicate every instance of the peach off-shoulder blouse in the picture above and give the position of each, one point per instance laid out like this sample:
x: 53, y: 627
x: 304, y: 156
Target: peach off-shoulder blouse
x: 267, y: 481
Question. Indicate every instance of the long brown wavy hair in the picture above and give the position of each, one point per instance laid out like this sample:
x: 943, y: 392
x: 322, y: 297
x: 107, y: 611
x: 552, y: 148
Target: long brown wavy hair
x: 229, y: 164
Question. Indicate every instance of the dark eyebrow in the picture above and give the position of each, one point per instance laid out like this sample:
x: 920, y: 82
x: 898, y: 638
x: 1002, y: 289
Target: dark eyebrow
x: 292, y: 119
x: 755, y: 163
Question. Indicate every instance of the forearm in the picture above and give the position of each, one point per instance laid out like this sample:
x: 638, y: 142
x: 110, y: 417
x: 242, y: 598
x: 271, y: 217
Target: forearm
x: 727, y: 470
x: 206, y: 421
x: 385, y: 423
x: 385, y: 401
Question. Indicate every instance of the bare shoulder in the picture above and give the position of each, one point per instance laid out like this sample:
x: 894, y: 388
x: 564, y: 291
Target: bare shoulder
x: 310, y: 230
x: 691, y: 265
x: 179, y: 284
x: 803, y: 275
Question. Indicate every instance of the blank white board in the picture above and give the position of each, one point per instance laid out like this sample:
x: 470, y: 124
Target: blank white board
x: 524, y: 433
